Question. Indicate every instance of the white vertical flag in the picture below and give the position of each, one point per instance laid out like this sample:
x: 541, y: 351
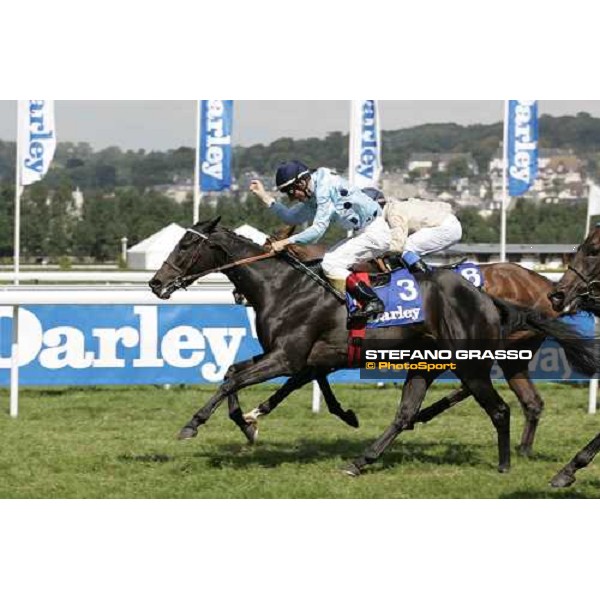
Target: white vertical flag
x: 365, y: 144
x: 593, y: 206
x: 520, y: 155
x: 36, y: 142
x: 36, y: 139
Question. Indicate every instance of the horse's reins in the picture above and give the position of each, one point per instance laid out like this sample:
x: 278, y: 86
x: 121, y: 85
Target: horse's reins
x: 582, y: 277
x: 242, y: 261
x: 292, y: 260
x: 300, y: 266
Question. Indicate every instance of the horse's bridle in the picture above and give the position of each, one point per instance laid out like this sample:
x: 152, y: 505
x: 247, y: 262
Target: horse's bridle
x: 588, y: 283
x: 181, y: 282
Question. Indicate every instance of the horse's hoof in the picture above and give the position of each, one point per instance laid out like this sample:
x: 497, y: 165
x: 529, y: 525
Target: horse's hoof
x: 351, y: 469
x: 503, y: 468
x: 351, y: 419
x: 251, y: 433
x: 524, y: 451
x: 187, y: 433
x: 562, y: 480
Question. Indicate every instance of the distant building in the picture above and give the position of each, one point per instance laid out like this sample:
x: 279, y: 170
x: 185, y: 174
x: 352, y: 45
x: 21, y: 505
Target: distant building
x: 78, y: 201
x: 429, y: 162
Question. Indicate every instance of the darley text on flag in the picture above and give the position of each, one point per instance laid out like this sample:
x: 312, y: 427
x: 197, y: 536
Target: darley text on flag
x: 368, y: 140
x: 215, y: 144
x: 35, y: 154
x: 522, y: 145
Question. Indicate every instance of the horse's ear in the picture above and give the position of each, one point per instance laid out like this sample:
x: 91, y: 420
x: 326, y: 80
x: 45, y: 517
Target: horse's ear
x: 210, y: 226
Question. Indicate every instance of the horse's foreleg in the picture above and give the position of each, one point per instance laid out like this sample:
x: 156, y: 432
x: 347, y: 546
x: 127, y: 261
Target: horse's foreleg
x: 249, y: 429
x: 256, y: 370
x: 566, y: 476
x: 413, y: 393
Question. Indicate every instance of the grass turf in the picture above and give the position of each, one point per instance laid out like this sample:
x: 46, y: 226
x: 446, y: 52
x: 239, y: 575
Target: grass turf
x: 119, y: 442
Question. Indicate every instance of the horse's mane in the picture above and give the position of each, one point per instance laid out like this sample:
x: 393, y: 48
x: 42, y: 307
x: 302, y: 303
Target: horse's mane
x: 222, y: 228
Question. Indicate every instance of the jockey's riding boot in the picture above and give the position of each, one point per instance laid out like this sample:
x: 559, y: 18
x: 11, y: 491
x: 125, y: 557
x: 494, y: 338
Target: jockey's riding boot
x: 414, y: 263
x: 392, y: 260
x: 359, y: 290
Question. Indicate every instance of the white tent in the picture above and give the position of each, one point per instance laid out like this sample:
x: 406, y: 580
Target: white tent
x: 150, y: 253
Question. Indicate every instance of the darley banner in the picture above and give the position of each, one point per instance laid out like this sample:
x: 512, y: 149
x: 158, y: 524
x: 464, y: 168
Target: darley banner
x: 94, y: 345
x: 522, y: 145
x: 216, y: 119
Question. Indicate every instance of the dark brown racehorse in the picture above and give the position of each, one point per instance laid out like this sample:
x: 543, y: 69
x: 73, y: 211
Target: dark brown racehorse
x: 302, y: 329
x: 579, y: 289
x: 506, y: 281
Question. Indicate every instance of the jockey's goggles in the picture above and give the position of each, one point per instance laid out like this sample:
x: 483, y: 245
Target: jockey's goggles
x: 289, y: 186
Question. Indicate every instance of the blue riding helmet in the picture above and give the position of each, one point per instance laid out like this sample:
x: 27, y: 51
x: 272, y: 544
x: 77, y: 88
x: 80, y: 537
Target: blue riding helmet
x: 290, y: 172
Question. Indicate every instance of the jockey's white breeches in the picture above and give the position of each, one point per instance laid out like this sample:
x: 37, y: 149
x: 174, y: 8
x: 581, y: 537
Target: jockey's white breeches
x: 366, y: 244
x: 433, y: 239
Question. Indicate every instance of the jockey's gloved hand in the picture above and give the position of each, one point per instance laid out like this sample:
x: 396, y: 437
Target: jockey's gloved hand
x: 258, y: 189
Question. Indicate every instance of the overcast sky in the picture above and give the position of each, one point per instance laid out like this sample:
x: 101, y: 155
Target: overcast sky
x: 162, y: 125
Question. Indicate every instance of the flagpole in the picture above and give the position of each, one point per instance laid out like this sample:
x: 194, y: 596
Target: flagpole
x: 316, y: 390
x: 504, y: 186
x: 352, y: 143
x: 352, y: 149
x: 379, y: 144
x: 14, y: 349
x: 197, y: 194
x: 17, y: 219
x: 593, y: 385
x: 589, y: 210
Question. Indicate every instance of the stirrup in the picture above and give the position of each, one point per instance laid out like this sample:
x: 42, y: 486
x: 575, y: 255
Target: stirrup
x: 420, y: 267
x: 371, y: 309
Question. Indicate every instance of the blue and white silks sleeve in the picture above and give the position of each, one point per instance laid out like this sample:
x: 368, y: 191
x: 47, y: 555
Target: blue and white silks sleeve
x: 325, y: 211
x: 296, y: 215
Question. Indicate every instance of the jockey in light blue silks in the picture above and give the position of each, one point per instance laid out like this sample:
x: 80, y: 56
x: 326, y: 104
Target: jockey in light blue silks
x: 324, y: 198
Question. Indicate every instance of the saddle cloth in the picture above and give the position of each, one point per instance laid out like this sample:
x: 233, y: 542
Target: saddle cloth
x: 401, y: 296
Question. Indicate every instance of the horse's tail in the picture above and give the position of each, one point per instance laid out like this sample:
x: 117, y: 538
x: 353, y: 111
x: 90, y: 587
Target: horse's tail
x: 579, y: 350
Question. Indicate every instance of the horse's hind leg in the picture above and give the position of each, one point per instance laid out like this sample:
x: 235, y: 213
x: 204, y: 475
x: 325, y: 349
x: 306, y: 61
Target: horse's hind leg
x: 532, y: 405
x: 566, y: 476
x: 335, y: 408
x: 292, y: 384
x: 517, y: 377
x: 413, y: 392
x: 427, y: 414
x: 498, y: 411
